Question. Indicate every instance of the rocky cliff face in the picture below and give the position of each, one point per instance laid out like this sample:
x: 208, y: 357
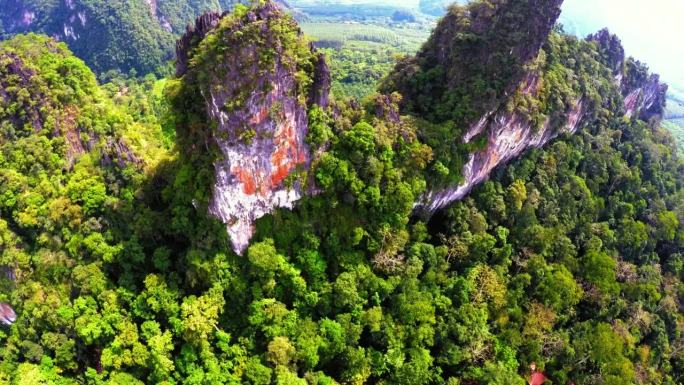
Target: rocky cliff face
x: 67, y: 19
x: 647, y: 101
x: 64, y: 20
x: 643, y: 92
x: 257, y: 93
x: 141, y: 39
x: 258, y: 78
x: 204, y: 24
x: 510, y: 134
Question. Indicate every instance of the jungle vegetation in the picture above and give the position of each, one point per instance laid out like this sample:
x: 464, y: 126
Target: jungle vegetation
x: 572, y: 256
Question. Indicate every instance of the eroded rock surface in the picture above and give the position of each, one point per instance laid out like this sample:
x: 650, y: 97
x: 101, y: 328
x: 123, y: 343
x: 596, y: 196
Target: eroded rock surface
x: 260, y: 111
x: 510, y: 134
x: 250, y: 178
x: 643, y: 92
x: 7, y: 314
x: 194, y: 33
x: 647, y: 100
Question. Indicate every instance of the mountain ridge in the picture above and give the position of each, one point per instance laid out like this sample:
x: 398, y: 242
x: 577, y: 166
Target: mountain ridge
x: 501, y: 123
x: 126, y: 260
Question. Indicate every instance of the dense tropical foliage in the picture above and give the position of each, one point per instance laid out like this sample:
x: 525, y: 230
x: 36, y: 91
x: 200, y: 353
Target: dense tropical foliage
x: 130, y: 37
x: 570, y: 257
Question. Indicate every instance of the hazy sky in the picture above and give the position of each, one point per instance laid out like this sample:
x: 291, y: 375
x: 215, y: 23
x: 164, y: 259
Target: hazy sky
x: 651, y: 31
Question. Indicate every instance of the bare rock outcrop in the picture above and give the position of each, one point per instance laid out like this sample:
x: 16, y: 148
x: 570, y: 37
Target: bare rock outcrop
x: 193, y: 35
x: 474, y: 59
x: 510, y: 134
x: 7, y: 314
x: 257, y: 100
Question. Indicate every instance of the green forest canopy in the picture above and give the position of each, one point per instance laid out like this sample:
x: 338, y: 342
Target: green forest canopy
x: 570, y: 257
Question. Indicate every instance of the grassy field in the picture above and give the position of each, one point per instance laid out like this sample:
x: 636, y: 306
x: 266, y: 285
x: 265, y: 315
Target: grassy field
x: 676, y: 127
x: 405, y: 37
x: 674, y: 117
x: 361, y: 54
x: 675, y: 108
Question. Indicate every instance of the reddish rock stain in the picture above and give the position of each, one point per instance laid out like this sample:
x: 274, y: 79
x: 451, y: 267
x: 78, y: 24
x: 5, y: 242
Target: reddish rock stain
x: 246, y: 178
x: 288, y: 154
x: 259, y: 117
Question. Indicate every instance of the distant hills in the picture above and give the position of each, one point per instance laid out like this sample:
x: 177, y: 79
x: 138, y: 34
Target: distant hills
x: 128, y: 36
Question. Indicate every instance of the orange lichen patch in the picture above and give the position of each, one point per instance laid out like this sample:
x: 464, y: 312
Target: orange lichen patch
x: 493, y: 160
x: 280, y: 174
x: 260, y: 116
x: 287, y: 155
x: 246, y: 178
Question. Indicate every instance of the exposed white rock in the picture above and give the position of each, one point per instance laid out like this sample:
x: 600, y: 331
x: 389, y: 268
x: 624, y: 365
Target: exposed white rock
x: 250, y: 176
x: 632, y: 102
x: 82, y: 17
x: 646, y: 101
x: 477, y: 128
x: 152, y: 5
x: 237, y: 209
x: 69, y: 32
x: 28, y: 17
x: 259, y: 119
x: 510, y: 134
x: 7, y: 314
x: 165, y: 23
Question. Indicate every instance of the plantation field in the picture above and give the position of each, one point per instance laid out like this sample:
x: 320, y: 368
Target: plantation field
x: 405, y: 38
x: 361, y: 54
x: 675, y: 108
x: 676, y: 127
x: 674, y: 116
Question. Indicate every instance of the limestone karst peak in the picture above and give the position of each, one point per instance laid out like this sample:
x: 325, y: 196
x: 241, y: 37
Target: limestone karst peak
x: 257, y: 76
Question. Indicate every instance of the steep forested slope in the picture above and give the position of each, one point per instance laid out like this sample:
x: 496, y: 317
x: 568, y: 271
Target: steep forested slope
x: 291, y: 238
x: 70, y: 161
x: 109, y: 35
